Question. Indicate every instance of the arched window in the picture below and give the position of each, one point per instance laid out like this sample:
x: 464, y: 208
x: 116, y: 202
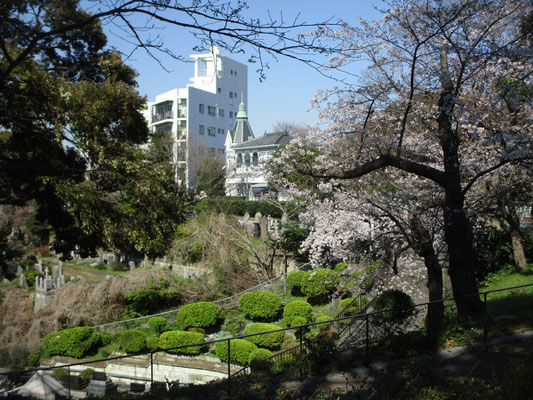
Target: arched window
x: 255, y: 159
x: 239, y: 160
x: 247, y: 159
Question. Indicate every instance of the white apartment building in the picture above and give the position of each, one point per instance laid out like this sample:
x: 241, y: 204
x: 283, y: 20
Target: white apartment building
x: 199, y: 115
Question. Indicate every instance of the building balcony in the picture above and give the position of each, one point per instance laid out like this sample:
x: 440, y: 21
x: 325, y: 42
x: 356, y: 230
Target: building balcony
x: 162, y: 116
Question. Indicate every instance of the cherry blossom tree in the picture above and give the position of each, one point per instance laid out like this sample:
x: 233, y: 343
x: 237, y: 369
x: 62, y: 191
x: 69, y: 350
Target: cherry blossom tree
x: 426, y: 107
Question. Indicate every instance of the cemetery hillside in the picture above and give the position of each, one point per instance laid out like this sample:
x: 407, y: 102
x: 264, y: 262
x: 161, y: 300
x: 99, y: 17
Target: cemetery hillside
x: 163, y: 249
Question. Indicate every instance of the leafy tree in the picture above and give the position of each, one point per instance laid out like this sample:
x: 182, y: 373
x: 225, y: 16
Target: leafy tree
x: 421, y: 110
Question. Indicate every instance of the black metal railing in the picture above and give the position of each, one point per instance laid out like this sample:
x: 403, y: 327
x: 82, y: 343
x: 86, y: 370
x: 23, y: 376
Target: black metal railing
x: 297, y: 350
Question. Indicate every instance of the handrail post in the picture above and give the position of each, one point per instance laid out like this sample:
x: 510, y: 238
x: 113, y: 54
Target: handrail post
x: 151, y: 370
x: 485, y: 325
x: 229, y: 368
x: 68, y: 378
x: 367, y: 336
x: 301, y: 359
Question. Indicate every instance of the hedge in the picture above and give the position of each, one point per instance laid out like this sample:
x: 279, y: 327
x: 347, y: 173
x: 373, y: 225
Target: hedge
x: 259, y: 358
x: 294, y: 281
x: 320, y: 283
x: 73, y: 342
x: 132, y: 341
x: 171, y: 339
x: 297, y: 308
x: 152, y: 343
x: 240, y: 351
x: 269, y: 340
x: 203, y: 314
x: 157, y: 324
x: 261, y: 306
x: 396, y: 305
x: 322, y: 318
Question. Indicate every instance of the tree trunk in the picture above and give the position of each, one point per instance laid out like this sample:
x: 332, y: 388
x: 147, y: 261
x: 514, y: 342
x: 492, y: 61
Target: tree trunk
x: 423, y: 245
x: 519, y: 256
x: 457, y: 229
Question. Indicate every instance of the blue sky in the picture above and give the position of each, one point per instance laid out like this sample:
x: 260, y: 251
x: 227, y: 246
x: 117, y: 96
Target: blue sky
x: 289, y: 84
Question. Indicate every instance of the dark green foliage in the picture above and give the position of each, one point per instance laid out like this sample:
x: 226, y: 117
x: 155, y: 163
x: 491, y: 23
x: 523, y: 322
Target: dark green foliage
x: 350, y: 305
x: 30, y: 274
x: 203, y: 314
x: 322, y: 318
x: 259, y: 359
x: 240, y: 351
x: 398, y: 304
x: 319, y: 284
x: 152, y: 343
x: 105, y: 338
x: 260, y: 306
x: 157, y: 324
x: 119, y: 266
x: 87, y: 374
x: 294, y: 281
x: 297, y: 308
x: 270, y: 340
x: 291, y: 240
x: 132, y: 341
x: 493, y: 251
x: 150, y: 300
x: 171, y: 339
x: 60, y: 373
x: 239, y: 206
x: 73, y: 342
x: 33, y: 358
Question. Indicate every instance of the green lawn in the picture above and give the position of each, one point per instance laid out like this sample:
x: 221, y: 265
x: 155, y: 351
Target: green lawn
x: 517, y: 302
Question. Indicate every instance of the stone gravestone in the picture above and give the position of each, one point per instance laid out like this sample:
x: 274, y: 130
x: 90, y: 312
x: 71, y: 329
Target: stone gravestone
x: 23, y: 282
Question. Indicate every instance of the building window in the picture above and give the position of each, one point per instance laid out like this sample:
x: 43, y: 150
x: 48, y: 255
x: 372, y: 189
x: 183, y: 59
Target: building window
x: 239, y: 159
x: 231, y: 114
x: 182, y: 108
x: 255, y: 159
x: 202, y: 68
x: 219, y: 90
x: 211, y: 131
x: 231, y: 72
x: 247, y: 159
x: 235, y: 73
x: 201, y: 130
x: 221, y: 112
x: 230, y: 94
x: 201, y: 108
x: 162, y: 111
x: 220, y: 131
x: 211, y: 110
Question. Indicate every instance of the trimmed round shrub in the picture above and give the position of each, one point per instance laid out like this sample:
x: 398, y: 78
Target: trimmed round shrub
x: 296, y: 321
x: 132, y: 341
x: 105, y: 338
x: 259, y: 359
x: 240, y: 351
x: 396, y: 305
x: 157, y: 324
x: 297, y: 308
x: 269, y: 340
x: 203, y: 314
x: 294, y: 281
x: 320, y: 283
x: 152, y: 343
x: 73, y: 342
x: 322, y: 318
x: 260, y: 306
x: 171, y: 339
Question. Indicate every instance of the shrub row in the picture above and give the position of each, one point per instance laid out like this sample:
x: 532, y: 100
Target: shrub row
x: 73, y: 342
x: 260, y: 306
